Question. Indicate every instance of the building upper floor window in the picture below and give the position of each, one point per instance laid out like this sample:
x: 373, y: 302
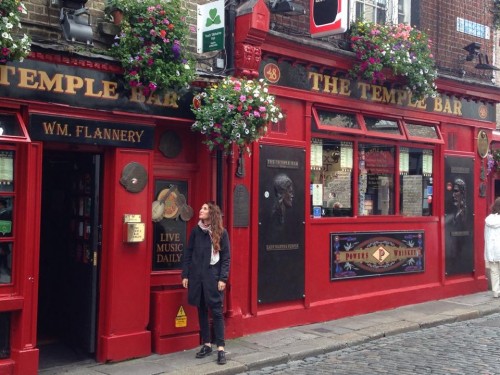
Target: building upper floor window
x: 382, y: 11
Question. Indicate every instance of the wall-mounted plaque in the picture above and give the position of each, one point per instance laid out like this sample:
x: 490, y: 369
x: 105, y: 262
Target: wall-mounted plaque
x: 241, y: 206
x: 170, y: 144
x: 483, y: 143
x: 134, y: 177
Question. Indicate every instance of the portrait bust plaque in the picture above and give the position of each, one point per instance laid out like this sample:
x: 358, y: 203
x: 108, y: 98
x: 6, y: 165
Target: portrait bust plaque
x: 483, y: 143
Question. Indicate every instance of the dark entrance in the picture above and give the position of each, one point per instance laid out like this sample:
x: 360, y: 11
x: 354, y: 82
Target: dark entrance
x: 69, y: 246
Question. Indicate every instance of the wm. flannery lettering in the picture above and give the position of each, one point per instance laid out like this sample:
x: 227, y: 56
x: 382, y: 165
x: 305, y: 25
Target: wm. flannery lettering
x: 82, y: 131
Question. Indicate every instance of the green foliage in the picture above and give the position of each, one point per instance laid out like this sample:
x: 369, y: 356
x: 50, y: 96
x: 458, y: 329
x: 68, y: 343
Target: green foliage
x: 234, y: 111
x: 402, y: 49
x: 152, y: 46
x: 11, y: 46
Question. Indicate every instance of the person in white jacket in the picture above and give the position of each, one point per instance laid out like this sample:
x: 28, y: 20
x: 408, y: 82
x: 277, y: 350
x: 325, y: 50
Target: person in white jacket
x: 492, y: 246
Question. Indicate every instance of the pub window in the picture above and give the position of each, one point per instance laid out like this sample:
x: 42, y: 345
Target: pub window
x: 415, y: 169
x: 331, y: 174
x: 376, y: 180
x: 358, y: 178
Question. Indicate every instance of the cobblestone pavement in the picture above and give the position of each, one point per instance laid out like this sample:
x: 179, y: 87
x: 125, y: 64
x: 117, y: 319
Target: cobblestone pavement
x: 469, y: 347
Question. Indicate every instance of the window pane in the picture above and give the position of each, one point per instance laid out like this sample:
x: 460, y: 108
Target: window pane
x: 376, y: 180
x: 339, y: 120
x: 6, y: 170
x: 382, y: 126
x: 415, y: 167
x: 6, y: 210
x: 423, y: 131
x: 331, y: 175
x: 9, y: 125
x: 5, y: 335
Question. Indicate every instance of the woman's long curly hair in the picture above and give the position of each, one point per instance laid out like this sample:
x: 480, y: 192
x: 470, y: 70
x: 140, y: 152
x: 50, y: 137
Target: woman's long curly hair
x: 495, y: 208
x: 215, y: 217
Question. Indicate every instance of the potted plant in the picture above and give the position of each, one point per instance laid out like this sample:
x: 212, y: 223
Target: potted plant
x: 151, y: 46
x: 400, y: 50
x: 12, y: 46
x: 114, y: 8
x: 234, y: 111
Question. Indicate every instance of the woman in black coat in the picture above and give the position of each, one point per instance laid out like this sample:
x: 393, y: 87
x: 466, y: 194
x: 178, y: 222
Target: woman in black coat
x: 205, y: 271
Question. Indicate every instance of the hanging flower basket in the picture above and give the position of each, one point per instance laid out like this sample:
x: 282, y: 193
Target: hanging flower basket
x: 234, y: 111
x: 399, y: 49
x: 12, y: 46
x: 151, y: 46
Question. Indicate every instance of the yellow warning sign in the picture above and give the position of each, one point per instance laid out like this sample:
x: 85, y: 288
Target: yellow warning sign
x: 181, y: 318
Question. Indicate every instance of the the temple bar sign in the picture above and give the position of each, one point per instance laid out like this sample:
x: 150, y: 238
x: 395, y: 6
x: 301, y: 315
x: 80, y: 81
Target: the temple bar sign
x: 75, y: 130
x: 362, y: 254
x: 210, y: 27
x: 328, y: 17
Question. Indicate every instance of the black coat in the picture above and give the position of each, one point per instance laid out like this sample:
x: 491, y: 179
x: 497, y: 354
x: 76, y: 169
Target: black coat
x: 196, y: 267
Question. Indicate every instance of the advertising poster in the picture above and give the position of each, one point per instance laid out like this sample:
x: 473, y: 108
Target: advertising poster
x: 459, y: 211
x: 281, y: 224
x: 363, y: 254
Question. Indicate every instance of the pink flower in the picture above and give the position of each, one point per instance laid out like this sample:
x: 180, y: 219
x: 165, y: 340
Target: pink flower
x: 243, y: 98
x: 262, y: 109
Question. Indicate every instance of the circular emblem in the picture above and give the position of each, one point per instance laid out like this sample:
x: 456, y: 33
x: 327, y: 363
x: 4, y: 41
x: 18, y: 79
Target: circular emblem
x: 272, y: 72
x: 483, y: 111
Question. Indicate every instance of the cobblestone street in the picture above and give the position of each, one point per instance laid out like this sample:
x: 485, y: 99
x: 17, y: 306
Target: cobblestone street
x: 468, y: 347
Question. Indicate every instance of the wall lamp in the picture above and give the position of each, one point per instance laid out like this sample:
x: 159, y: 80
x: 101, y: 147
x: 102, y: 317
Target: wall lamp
x: 75, y: 22
x: 484, y: 63
x: 287, y: 8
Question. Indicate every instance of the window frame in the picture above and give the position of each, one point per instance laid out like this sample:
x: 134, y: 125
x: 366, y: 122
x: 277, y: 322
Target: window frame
x: 391, y: 11
x: 24, y: 138
x: 363, y: 136
x: 329, y: 128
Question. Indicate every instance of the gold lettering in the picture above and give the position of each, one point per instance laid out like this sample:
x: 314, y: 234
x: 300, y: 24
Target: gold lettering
x: 98, y: 133
x: 330, y: 84
x: 79, y: 130
x: 4, y: 74
x: 388, y: 96
x: 316, y: 78
x: 73, y: 83
x: 89, y: 88
x: 48, y: 84
x: 376, y: 93
x: 345, y: 87
x: 457, y: 107
x: 50, y: 128
x: 364, y: 87
x: 438, y: 104
x: 26, y: 78
x: 109, y: 90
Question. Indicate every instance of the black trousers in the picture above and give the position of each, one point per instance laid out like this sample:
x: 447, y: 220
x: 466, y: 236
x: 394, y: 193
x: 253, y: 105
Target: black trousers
x: 218, y: 319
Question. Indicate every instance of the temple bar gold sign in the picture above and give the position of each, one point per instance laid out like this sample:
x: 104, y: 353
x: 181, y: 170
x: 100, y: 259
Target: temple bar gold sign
x: 71, y: 130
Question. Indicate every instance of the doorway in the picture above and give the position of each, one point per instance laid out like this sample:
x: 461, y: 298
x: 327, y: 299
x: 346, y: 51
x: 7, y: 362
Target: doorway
x: 69, y: 249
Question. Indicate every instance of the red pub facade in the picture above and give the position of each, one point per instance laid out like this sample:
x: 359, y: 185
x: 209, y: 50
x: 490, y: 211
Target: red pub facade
x: 364, y: 198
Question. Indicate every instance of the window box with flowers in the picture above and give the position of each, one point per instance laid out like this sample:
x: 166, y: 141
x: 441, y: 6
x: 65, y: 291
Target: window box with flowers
x: 235, y: 111
x: 400, y: 50
x: 12, y: 46
x: 152, y: 46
